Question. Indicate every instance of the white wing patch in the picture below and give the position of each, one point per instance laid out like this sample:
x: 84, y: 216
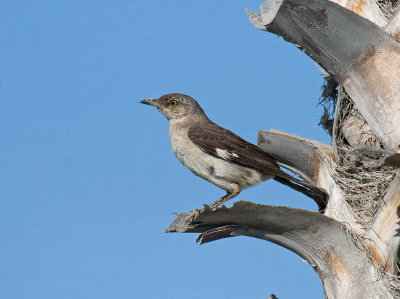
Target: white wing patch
x: 224, y: 154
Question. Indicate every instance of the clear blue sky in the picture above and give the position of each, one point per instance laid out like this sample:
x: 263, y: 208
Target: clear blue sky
x: 88, y: 180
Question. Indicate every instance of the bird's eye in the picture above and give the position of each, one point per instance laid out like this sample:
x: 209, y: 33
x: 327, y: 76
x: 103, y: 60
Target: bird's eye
x: 173, y: 103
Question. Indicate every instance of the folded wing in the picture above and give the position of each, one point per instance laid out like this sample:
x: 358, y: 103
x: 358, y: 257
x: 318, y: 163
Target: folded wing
x: 224, y: 144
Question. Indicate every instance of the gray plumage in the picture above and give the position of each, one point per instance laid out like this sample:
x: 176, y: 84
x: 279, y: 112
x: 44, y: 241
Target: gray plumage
x: 218, y: 155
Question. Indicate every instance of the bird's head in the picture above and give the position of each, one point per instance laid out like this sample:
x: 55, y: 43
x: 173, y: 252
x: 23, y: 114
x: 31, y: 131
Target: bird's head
x: 176, y: 106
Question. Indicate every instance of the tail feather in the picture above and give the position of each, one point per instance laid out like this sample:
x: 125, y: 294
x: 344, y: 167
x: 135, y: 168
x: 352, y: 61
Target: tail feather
x: 318, y: 194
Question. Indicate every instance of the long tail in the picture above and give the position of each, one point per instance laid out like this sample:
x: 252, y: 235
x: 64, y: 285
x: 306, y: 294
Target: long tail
x: 318, y: 194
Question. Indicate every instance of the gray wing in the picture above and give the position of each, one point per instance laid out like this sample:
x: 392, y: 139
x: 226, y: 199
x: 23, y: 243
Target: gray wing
x: 223, y: 144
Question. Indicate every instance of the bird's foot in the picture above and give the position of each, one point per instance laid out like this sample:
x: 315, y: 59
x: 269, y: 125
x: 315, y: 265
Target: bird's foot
x: 218, y: 202
x: 215, y: 205
x: 191, y: 216
x: 224, y: 199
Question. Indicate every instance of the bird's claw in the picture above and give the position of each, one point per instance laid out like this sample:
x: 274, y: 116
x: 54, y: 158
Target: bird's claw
x: 191, y: 216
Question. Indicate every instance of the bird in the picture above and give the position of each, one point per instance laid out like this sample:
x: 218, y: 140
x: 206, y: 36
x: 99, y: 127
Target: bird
x: 220, y: 156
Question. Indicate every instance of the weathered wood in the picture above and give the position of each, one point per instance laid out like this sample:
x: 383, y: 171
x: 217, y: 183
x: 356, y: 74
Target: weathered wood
x: 327, y: 245
x: 302, y: 156
x: 384, y: 234
x: 394, y: 26
x: 312, y: 161
x: 365, y: 61
x: 352, y: 49
x: 330, y: 34
x: 368, y: 9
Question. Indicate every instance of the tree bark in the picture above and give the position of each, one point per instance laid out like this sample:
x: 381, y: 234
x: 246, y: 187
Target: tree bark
x: 341, y: 262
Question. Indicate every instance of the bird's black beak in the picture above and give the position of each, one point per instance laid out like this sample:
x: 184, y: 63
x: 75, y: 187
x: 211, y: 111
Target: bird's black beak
x: 150, y: 102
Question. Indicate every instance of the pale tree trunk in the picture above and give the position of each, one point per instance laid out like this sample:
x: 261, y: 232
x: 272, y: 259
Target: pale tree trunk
x: 353, y: 244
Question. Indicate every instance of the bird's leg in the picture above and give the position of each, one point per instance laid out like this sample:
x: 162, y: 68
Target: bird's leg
x: 224, y: 199
x: 215, y: 204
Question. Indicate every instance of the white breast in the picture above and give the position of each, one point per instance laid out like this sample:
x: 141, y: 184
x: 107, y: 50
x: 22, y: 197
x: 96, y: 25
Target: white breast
x: 226, y: 175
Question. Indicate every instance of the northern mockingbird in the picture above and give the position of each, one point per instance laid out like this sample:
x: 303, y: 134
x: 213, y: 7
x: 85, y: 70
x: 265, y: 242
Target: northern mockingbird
x: 220, y: 156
